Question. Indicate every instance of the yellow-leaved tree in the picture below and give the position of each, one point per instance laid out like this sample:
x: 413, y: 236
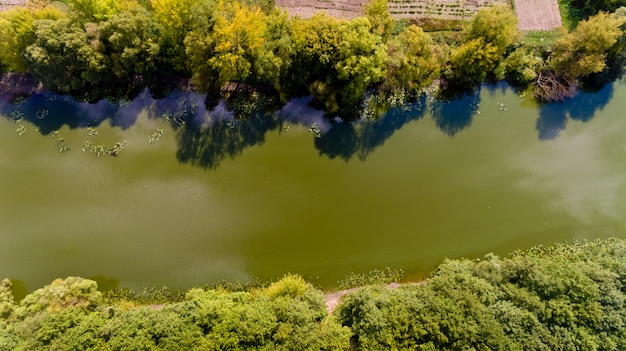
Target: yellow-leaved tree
x: 17, y: 31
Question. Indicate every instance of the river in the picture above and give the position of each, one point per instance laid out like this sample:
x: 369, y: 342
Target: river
x: 232, y: 200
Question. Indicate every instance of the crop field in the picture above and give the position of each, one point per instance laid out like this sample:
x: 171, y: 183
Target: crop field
x: 533, y: 14
x: 7, y: 4
x: 441, y: 9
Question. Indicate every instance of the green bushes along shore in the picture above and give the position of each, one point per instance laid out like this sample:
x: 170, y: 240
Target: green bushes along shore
x: 565, y: 297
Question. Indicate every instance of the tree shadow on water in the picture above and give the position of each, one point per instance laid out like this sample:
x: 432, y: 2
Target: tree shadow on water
x: 207, y: 146
x: 361, y: 138
x: 553, y: 117
x: 50, y: 112
x: 453, y: 113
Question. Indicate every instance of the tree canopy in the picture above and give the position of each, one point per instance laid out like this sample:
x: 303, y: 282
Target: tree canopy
x: 563, y: 297
x: 219, y: 45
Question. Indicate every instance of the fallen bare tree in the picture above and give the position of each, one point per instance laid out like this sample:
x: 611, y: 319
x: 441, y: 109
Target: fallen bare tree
x: 554, y: 86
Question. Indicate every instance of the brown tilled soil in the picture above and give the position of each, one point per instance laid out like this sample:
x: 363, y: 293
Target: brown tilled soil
x: 538, y: 14
x: 7, y: 4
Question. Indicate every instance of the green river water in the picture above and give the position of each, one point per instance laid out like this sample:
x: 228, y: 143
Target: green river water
x: 256, y: 199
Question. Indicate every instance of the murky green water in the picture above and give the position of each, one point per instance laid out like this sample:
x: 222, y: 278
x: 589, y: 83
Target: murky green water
x: 258, y: 199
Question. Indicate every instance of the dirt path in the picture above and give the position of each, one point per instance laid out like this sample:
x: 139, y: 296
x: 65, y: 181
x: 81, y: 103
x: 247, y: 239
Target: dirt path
x: 538, y: 14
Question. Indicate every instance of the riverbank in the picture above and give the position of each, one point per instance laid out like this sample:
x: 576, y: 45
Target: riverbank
x: 541, y: 298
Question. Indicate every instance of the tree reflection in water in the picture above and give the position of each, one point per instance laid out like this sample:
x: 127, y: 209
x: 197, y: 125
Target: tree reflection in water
x: 207, y: 135
x: 582, y: 107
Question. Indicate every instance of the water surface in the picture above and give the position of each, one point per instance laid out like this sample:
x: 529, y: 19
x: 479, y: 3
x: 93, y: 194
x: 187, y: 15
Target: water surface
x: 294, y: 192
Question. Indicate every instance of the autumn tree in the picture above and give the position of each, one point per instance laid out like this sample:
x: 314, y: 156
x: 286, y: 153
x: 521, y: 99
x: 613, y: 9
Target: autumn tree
x: 275, y: 58
x: 377, y: 12
x: 96, y: 10
x: 238, y: 38
x: 176, y: 18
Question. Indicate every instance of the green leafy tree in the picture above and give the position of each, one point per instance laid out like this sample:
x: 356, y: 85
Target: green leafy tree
x: 412, y: 62
x: 577, y: 54
x: 470, y: 63
x: 522, y: 65
x: 66, y: 57
x: 589, y: 8
x: 7, y: 302
x: 488, y: 36
x: 130, y: 42
x: 336, y: 61
x: 496, y: 26
x: 199, y: 46
x: 314, y: 51
x: 584, y: 50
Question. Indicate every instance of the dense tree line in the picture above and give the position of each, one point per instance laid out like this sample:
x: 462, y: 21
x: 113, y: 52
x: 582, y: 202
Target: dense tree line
x: 565, y: 297
x: 108, y: 46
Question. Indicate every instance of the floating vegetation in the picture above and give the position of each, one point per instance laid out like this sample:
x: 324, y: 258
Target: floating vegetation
x: 156, y: 136
x: 16, y: 116
x: 19, y: 101
x: 119, y: 146
x: 315, y: 130
x: 177, y: 117
x: 368, y: 108
x: 21, y: 130
x: 100, y: 150
x: 41, y: 114
x: 397, y: 98
x: 63, y: 146
x: 92, y: 132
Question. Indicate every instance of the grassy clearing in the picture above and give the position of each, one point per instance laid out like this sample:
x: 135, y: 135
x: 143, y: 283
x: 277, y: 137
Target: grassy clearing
x: 540, y: 38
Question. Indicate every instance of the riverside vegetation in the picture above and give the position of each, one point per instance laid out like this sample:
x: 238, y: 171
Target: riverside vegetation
x: 108, y: 48
x: 565, y: 297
